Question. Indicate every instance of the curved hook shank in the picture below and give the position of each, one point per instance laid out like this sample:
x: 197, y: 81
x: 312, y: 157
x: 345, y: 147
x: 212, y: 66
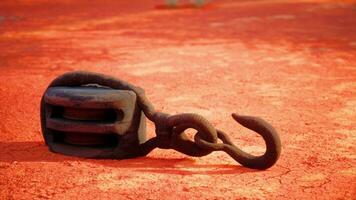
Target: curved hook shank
x: 269, y: 135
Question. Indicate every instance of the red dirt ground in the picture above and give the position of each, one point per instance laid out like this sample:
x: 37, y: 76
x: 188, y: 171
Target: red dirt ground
x: 290, y: 62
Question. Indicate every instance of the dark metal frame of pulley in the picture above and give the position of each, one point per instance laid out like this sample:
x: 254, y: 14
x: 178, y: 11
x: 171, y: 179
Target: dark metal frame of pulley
x: 90, y: 121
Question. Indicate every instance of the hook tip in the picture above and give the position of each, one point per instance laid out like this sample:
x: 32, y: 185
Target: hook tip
x: 236, y: 116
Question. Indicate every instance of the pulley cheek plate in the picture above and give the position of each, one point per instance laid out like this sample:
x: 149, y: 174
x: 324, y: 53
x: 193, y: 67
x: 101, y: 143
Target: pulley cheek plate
x: 94, y: 122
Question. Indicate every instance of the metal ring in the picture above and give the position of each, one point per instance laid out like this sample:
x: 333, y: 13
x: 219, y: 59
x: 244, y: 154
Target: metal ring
x: 210, y: 145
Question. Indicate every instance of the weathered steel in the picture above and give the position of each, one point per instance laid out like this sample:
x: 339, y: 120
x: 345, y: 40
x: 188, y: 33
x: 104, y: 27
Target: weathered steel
x: 107, y: 120
x: 80, y: 118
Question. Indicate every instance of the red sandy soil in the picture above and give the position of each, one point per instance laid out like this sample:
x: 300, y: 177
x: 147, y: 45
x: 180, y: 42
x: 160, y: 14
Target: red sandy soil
x: 291, y: 62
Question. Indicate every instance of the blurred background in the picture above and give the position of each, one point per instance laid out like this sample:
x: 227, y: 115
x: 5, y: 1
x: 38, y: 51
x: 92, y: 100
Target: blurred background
x: 291, y: 62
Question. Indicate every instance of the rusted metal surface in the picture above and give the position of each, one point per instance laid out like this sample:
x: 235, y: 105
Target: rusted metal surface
x: 90, y: 121
x: 108, y: 122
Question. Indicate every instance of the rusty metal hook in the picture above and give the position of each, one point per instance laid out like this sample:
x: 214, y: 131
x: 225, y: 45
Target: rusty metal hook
x: 261, y: 127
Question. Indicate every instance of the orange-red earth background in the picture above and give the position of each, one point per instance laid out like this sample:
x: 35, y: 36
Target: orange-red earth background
x: 291, y: 62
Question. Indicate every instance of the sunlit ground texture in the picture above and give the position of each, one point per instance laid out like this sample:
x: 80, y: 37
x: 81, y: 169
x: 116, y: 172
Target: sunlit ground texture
x: 291, y: 62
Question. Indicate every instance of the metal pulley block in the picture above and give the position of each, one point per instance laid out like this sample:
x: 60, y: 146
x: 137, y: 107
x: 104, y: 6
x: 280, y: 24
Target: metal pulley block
x: 92, y: 121
x: 97, y: 116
